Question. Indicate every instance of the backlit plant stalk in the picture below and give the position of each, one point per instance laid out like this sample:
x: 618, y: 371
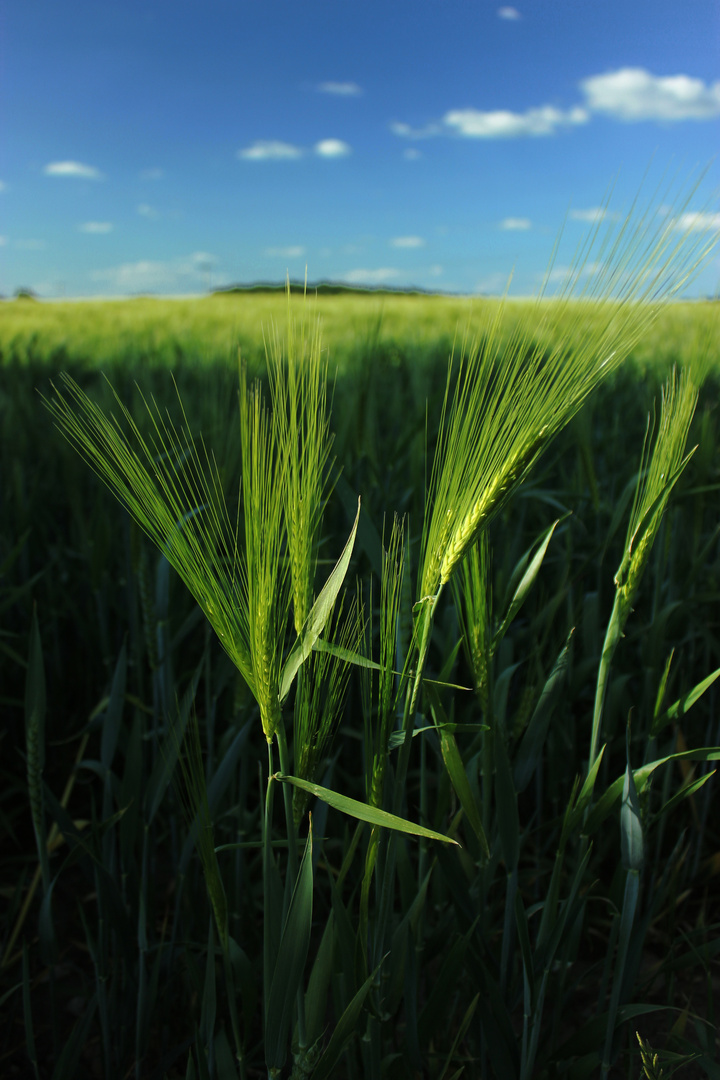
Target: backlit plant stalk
x: 298, y: 383
x: 509, y: 399
x: 659, y: 472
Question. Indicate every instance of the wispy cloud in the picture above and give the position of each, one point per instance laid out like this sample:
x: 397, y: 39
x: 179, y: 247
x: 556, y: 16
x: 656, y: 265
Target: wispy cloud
x: 152, y: 174
x: 516, y: 224
x: 510, y: 13
x: 145, y: 210
x: 3, y: 186
x: 407, y: 242
x: 270, y: 150
x: 696, y: 221
x: 74, y: 169
x: 3, y: 241
x: 147, y: 275
x: 332, y: 148
x: 96, y: 227
x: 411, y: 154
x: 406, y: 131
x: 633, y: 94
x: 29, y: 245
x: 340, y: 89
x: 503, y: 124
x: 594, y: 215
x: 293, y: 252
x: 371, y: 277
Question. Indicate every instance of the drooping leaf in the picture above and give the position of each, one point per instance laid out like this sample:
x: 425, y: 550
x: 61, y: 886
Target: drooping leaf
x: 362, y: 811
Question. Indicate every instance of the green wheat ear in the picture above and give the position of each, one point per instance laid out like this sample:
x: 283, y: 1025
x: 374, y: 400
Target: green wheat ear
x: 171, y: 486
x: 650, y: 1064
x: 658, y: 475
x: 297, y: 369
x: 266, y: 579
x: 509, y: 399
x: 659, y: 472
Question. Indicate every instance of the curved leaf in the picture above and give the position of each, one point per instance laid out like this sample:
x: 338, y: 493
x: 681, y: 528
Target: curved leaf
x: 362, y: 811
x: 319, y: 615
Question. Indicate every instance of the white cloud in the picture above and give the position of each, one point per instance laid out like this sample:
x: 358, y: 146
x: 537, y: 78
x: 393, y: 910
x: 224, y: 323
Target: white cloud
x: 407, y: 242
x: 694, y: 221
x: 73, y: 168
x: 146, y: 211
x: 411, y: 154
x: 371, y: 277
x: 516, y: 224
x: 3, y: 241
x: 503, y: 124
x: 635, y: 94
x: 3, y: 186
x: 341, y: 89
x: 286, y: 252
x: 270, y: 150
x: 332, y: 148
x: 30, y: 245
x: 510, y: 13
x: 152, y: 174
x: 594, y: 215
x: 96, y: 227
x: 147, y: 275
x: 436, y: 270
x: 405, y: 131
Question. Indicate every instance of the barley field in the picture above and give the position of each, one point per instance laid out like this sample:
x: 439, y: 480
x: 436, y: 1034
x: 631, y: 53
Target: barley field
x: 360, y: 713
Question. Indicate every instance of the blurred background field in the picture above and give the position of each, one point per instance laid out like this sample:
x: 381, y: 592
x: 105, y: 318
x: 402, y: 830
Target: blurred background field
x: 160, y: 332
x: 69, y: 553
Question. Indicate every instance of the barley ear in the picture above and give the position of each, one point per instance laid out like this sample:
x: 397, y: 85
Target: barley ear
x: 297, y: 370
x: 659, y: 472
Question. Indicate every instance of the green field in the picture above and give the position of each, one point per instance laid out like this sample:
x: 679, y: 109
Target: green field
x: 164, y: 911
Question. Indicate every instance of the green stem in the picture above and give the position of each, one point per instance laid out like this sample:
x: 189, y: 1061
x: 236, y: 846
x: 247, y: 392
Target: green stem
x: 613, y: 635
x: 268, y: 957
x: 387, y: 875
x: 287, y: 797
x: 293, y: 867
x: 234, y: 1019
x: 426, y: 617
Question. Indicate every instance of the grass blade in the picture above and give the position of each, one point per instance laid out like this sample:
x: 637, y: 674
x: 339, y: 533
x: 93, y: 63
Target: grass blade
x: 683, y: 705
x: 290, y: 964
x: 456, y: 769
x: 362, y: 811
x: 319, y: 614
x: 344, y: 1031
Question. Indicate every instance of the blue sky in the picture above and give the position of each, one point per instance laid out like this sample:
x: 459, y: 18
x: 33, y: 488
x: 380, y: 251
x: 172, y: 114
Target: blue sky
x: 167, y: 146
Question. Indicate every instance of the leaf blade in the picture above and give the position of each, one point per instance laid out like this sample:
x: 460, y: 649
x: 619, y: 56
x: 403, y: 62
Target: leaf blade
x: 362, y: 811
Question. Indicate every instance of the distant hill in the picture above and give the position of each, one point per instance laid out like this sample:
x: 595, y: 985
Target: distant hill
x: 326, y: 288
